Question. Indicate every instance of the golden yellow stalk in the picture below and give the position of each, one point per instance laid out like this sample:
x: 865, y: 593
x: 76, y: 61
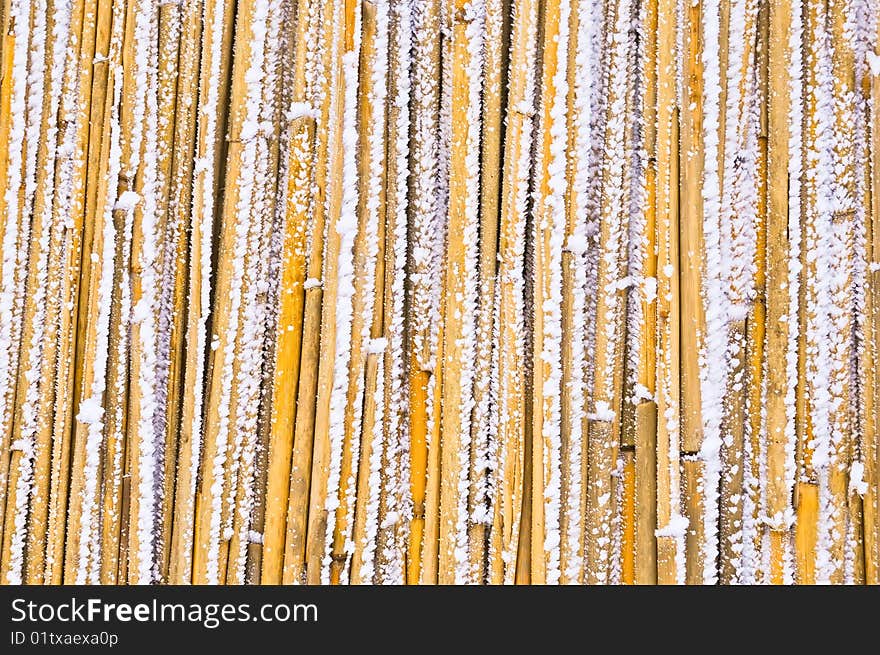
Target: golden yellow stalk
x: 645, y: 542
x: 871, y: 444
x: 74, y: 325
x: 542, y: 446
x: 206, y: 149
x: 7, y: 61
x: 180, y: 204
x: 645, y: 419
x: 808, y: 475
x: 359, y: 571
x: 344, y: 37
x: 115, y: 419
x: 429, y: 341
x: 418, y: 385
x: 431, y: 539
x: 606, y: 401
x: 694, y: 499
x: 571, y: 403
x: 102, y: 91
x: 807, y: 498
x: 114, y: 521
x: 757, y: 321
x: 248, y: 481
x: 777, y: 265
x: 238, y: 470
x: 692, y: 273
x: 70, y: 121
x: 96, y: 200
x: 42, y: 224
x: 365, y: 285
x: 289, y: 332
x: 691, y: 230
x: 512, y: 517
x: 845, y: 181
x: 455, y: 388
x: 207, y: 504
x: 393, y: 233
x: 628, y: 517
x: 304, y: 426
x: 668, y: 339
x: 423, y: 156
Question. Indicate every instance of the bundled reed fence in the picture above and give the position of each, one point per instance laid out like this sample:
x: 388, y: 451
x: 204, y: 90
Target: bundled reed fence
x: 439, y: 291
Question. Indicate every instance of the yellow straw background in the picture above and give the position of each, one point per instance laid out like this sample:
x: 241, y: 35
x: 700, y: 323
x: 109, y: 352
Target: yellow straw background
x: 439, y: 291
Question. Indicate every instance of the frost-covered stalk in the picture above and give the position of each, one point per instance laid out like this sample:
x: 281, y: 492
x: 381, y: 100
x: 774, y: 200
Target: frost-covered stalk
x: 434, y: 340
x: 367, y: 252
x: 867, y: 74
x: 322, y: 66
x: 423, y: 289
x: 247, y: 364
x: 347, y: 229
x: 510, y: 335
x: 171, y: 250
x: 644, y: 392
x: 765, y: 557
x: 693, y: 271
x: 872, y: 25
x: 280, y: 72
x: 396, y: 504
x: 739, y: 192
x: 848, y: 280
x: 199, y: 290
x: 581, y: 77
x: 795, y: 270
x: 738, y: 215
x: 639, y: 267
x: 600, y: 56
x: 480, y: 495
x: 670, y: 532
x: 44, y: 233
x: 340, y: 232
x: 12, y: 276
x: 611, y: 281
x: 823, y: 260
x: 713, y: 373
x: 740, y: 499
x: 93, y: 408
x: 177, y: 267
x: 549, y: 240
x: 15, y: 88
x: 459, y: 320
x: 27, y: 458
x: 68, y: 213
x: 240, y: 492
x: 295, y: 186
x: 262, y: 246
x: 115, y: 401
x: 249, y: 136
x: 143, y: 440
x: 363, y: 567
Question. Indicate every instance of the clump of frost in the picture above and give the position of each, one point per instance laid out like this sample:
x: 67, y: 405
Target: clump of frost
x: 857, y: 482
x: 676, y: 527
x: 90, y: 411
x: 127, y: 201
